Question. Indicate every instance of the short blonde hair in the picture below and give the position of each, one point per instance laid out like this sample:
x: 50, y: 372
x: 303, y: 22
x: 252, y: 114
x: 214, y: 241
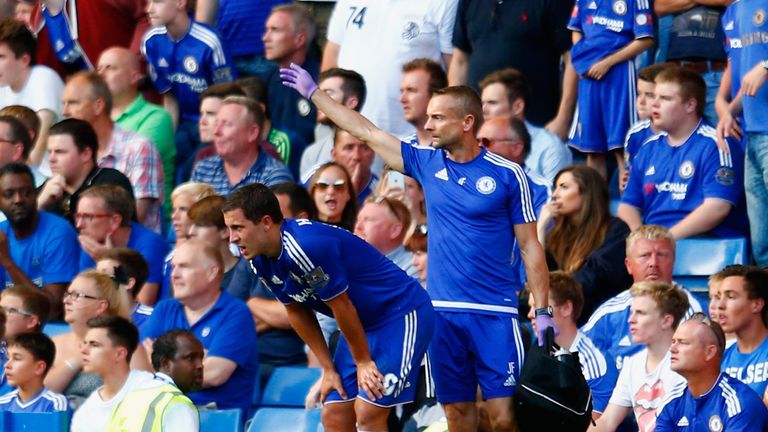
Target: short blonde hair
x: 196, y: 189
x: 669, y: 299
x: 649, y: 232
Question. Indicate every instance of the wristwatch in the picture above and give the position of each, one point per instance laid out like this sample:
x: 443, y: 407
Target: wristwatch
x: 764, y: 64
x: 543, y: 311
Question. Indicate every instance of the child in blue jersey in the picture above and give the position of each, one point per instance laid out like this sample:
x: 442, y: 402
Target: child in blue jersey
x: 607, y: 35
x: 385, y: 317
x: 30, y: 356
x: 680, y: 179
x: 712, y: 400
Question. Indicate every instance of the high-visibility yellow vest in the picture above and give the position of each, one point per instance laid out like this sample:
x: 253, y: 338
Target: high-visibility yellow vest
x: 142, y: 410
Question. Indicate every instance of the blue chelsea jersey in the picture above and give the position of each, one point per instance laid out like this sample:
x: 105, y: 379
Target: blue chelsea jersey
x: 472, y: 208
x: 319, y: 262
x: 45, y: 401
x: 637, y: 135
x: 750, y: 368
x: 607, y: 26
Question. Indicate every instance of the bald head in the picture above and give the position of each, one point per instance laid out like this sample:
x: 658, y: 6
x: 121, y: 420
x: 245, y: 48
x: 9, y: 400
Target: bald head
x: 202, y: 253
x: 121, y: 70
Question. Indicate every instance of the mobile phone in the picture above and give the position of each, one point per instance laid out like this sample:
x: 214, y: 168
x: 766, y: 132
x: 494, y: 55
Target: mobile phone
x: 396, y: 179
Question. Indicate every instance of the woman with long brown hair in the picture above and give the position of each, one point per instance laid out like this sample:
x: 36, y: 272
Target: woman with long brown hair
x: 334, y: 195
x: 582, y: 238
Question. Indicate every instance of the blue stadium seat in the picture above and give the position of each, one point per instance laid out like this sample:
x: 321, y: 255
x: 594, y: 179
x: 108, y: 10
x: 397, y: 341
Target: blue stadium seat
x: 288, y: 386
x: 221, y: 420
x: 56, y: 328
x: 286, y: 420
x: 49, y: 422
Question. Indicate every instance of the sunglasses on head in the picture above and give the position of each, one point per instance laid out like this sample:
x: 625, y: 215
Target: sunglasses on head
x: 338, y: 185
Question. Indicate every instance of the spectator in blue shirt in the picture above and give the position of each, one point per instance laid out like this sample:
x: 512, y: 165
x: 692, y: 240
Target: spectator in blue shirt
x: 36, y: 248
x: 713, y: 400
x: 239, y: 159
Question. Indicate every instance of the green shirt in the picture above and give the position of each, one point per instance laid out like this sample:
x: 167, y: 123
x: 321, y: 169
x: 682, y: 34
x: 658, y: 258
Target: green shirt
x: 153, y: 122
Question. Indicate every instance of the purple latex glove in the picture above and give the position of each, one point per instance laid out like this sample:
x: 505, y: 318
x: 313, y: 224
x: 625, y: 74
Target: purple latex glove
x: 299, y: 80
x: 543, y: 322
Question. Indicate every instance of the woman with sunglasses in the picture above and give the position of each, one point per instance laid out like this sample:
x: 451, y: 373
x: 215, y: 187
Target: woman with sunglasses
x: 334, y: 196
x: 90, y: 294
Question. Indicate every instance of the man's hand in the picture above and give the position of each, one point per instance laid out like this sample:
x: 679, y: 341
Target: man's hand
x: 52, y: 191
x: 727, y: 127
x: 94, y: 248
x: 559, y: 126
x: 331, y: 381
x: 543, y: 322
x: 599, y: 69
x: 5, y: 254
x: 370, y: 380
x: 753, y: 80
x: 299, y: 80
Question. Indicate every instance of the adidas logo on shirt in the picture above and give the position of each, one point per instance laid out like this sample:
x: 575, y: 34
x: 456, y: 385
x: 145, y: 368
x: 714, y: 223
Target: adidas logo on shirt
x: 651, y: 171
x: 683, y: 422
x: 592, y: 5
x: 162, y: 62
x: 442, y: 174
x: 625, y: 341
x: 728, y: 26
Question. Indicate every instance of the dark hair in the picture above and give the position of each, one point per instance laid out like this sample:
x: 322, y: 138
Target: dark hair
x: 353, y: 84
x: 256, y: 89
x: 299, y: 197
x: 115, y: 198
x: 437, y: 77
x: 513, y: 81
x: 19, y: 39
x: 120, y: 331
x: 518, y: 127
x: 223, y: 90
x: 466, y: 102
x: 38, y: 344
x: 562, y: 288
x: 256, y: 201
x: 82, y: 133
x: 756, y: 285
x: 207, y: 212
x: 572, y: 239
x: 165, y: 346
x: 417, y: 241
x: 33, y: 301
x: 18, y: 169
x: 649, y: 73
x: 349, y: 213
x: 692, y: 85
x: 18, y: 134
x: 132, y: 265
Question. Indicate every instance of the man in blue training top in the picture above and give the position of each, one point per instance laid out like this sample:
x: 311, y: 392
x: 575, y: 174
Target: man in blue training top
x: 473, y: 197
x: 713, y: 400
x: 384, y: 315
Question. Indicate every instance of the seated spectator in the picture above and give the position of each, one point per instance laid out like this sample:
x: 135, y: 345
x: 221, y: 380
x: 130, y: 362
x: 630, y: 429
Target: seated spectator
x: 108, y: 346
x: 38, y: 248
x: 87, y: 97
x: 713, y: 286
x: 23, y: 11
x: 121, y: 71
x: 25, y: 83
x: 409, y: 192
x: 72, y: 149
x: 650, y: 255
x: 332, y: 191
x: 743, y: 311
x: 504, y: 95
x: 712, y: 399
x: 17, y: 143
x: 30, y: 356
x: 239, y: 158
x: 346, y: 87
x: 383, y: 223
x: 680, y: 179
x: 644, y: 128
x: 421, y: 78
x: 567, y: 299
x: 130, y: 271
x: 417, y: 245
x: 184, y: 57
x: 26, y: 310
x: 295, y: 202
x: 103, y: 220
x: 182, y: 199
x: 582, y: 238
x: 357, y: 158
x: 221, y: 322
x: 646, y: 379
x: 92, y: 294
x: 177, y: 357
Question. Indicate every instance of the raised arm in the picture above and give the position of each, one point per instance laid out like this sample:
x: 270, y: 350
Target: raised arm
x: 384, y: 144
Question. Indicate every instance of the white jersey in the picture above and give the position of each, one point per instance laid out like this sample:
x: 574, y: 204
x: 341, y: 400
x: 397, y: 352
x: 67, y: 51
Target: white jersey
x: 42, y: 91
x: 646, y: 392
x: 378, y: 36
x: 94, y: 413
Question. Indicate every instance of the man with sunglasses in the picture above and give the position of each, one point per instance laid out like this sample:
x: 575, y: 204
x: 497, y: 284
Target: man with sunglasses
x: 479, y: 205
x: 36, y: 248
x: 713, y: 400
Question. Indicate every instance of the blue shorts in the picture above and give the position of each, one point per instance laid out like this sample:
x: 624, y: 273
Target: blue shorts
x: 605, y: 110
x: 470, y: 349
x: 397, y: 347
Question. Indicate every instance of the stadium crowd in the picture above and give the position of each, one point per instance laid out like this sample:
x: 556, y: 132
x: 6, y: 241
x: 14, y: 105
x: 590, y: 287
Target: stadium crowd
x: 404, y: 194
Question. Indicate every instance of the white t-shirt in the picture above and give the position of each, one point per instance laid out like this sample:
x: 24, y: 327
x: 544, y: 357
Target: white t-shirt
x: 42, y: 90
x: 646, y: 392
x: 94, y: 414
x: 378, y: 36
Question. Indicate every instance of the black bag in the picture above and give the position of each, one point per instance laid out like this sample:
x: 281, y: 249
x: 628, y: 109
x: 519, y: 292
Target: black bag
x: 552, y: 393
